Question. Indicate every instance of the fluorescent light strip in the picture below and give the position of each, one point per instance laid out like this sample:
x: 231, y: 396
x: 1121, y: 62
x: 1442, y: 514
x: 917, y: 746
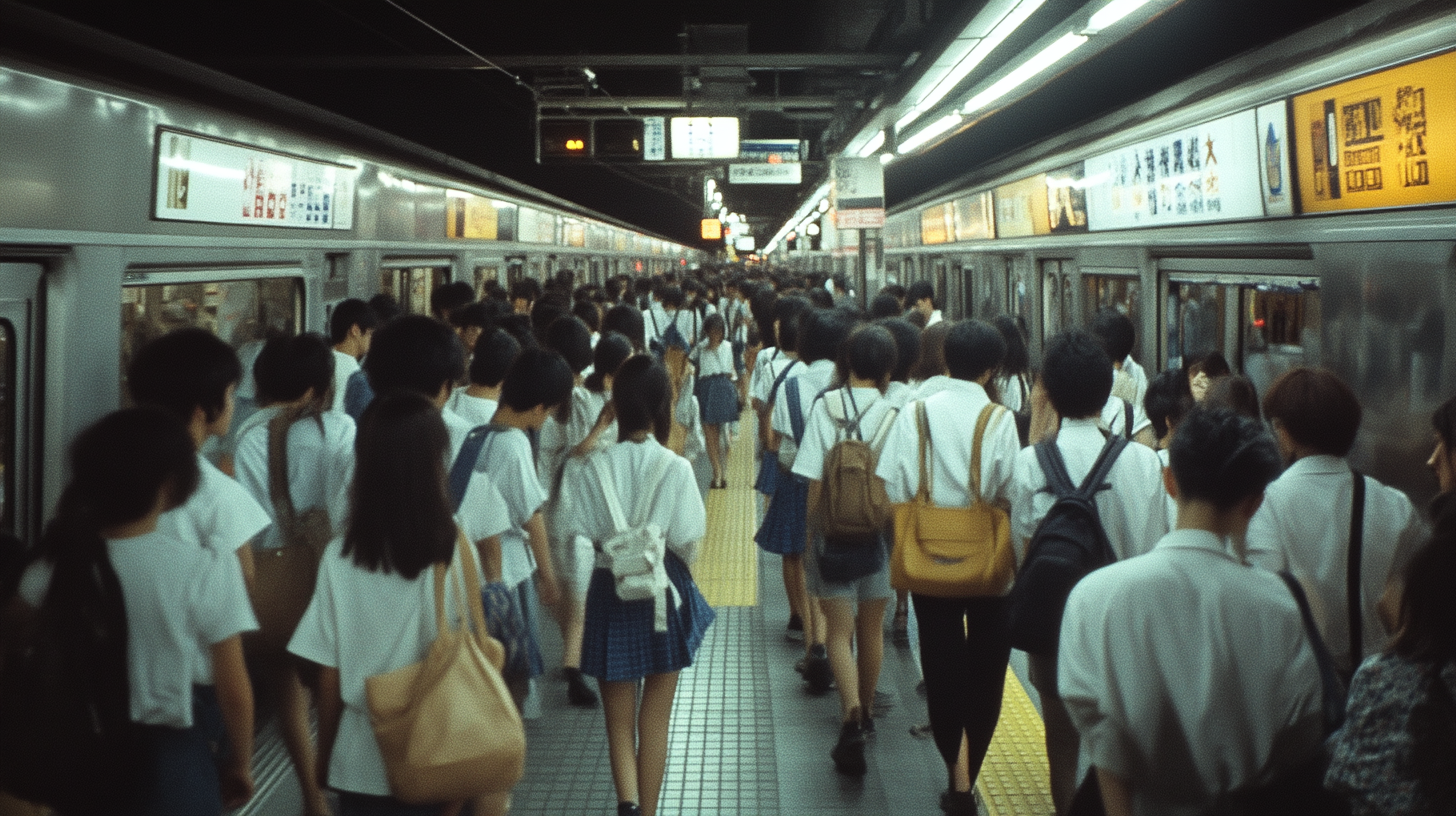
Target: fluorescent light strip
x: 1113, y: 12
x: 932, y: 130
x: 1043, y: 60
x: 979, y: 52
x: 876, y: 142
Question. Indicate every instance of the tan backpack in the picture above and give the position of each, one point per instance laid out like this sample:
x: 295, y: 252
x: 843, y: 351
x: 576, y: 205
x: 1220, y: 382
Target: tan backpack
x: 853, y: 502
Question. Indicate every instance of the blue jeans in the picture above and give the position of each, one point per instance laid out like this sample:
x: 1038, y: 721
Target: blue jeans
x: 182, y: 762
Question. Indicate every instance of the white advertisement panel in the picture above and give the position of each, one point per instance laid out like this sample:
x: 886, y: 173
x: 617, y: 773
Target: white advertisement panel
x: 1273, y: 124
x: 704, y: 137
x: 654, y: 138
x: 787, y: 173
x: 1207, y: 172
x: 200, y: 179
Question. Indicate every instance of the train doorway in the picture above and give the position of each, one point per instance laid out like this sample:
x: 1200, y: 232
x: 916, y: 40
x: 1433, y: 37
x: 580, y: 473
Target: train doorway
x: 411, y: 282
x: 19, y: 506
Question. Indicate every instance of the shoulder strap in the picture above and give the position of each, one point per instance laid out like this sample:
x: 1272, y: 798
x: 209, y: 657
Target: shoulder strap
x: 649, y: 490
x: 778, y: 381
x: 652, y: 315
x: 990, y: 412
x: 1127, y: 418
x: 278, y: 490
x: 1096, y: 480
x: 1352, y: 572
x: 598, y: 462
x: 464, y: 464
x: 877, y: 442
x: 796, y: 410
x: 1059, y: 482
x: 1334, y: 700
x: 922, y: 423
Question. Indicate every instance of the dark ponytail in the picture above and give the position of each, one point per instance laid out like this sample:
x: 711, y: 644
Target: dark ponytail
x: 612, y: 350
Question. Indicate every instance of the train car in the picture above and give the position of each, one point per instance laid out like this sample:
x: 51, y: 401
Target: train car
x: 1326, y: 239
x: 142, y: 193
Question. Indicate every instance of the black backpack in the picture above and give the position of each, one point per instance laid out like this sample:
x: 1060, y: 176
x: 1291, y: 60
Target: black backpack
x: 65, y: 706
x: 1068, y: 544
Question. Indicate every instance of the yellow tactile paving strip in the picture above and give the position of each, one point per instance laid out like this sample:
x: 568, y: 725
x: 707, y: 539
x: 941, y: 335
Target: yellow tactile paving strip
x: 727, y: 566
x: 1014, y: 779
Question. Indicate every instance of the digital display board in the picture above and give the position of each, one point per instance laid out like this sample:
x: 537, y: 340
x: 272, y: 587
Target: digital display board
x: 703, y: 137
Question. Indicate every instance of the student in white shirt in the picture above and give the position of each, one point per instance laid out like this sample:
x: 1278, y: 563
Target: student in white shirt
x: 767, y: 369
x: 921, y: 297
x: 899, y: 394
x: 928, y: 375
x: 297, y: 378
x: 494, y: 352
x: 854, y: 611
x: 570, y: 422
x: 1221, y: 691
x: 964, y: 649
x: 1118, y: 337
x: 675, y: 325
x: 622, y: 648
x: 1013, y: 380
x: 714, y: 387
x: 1166, y: 403
x: 351, y: 326
x: 1077, y: 377
x: 373, y: 610
x: 1304, y: 523
x: 184, y: 608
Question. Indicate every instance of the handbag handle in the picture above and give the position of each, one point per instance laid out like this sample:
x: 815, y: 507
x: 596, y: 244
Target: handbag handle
x: 923, y: 494
x: 474, y: 612
x: 278, y: 490
x: 974, y: 483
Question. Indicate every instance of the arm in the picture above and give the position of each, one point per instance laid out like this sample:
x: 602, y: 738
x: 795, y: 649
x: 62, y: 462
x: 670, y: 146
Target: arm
x: 604, y: 420
x: 235, y: 698
x: 546, y: 569
x: 490, y: 557
x: 1146, y: 437
x: 1116, y: 793
x: 245, y: 560
x: 330, y: 709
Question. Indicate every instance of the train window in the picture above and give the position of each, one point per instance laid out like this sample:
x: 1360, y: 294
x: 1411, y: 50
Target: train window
x: 1019, y: 291
x: 1281, y: 330
x: 1195, y: 321
x: 9, y: 459
x: 1110, y: 292
x: 411, y: 286
x: 483, y: 275
x: 238, y: 311
x: 1058, y: 293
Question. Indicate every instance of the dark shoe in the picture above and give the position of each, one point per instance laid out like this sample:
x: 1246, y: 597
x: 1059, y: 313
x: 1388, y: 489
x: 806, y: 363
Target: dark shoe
x: 817, y: 672
x: 883, y: 700
x: 848, y: 753
x: 628, y: 809
x: 868, y: 724
x: 801, y: 665
x: 958, y: 803
x: 900, y: 629
x: 577, y: 691
x: 795, y: 630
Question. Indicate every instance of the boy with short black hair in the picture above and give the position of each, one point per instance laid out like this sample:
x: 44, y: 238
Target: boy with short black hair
x: 495, y: 351
x: 1114, y: 330
x: 351, y: 327
x: 920, y: 297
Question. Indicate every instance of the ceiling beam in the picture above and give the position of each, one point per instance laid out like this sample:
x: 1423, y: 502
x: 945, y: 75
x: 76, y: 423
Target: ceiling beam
x: 745, y: 103
x: 615, y: 62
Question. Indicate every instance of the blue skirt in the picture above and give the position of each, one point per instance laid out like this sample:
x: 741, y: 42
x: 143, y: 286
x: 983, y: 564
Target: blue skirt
x: 768, y: 473
x: 783, y: 528
x: 619, y: 644
x: 717, y: 399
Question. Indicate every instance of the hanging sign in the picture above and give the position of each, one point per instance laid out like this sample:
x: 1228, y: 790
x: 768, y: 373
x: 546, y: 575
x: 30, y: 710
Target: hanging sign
x: 1021, y: 208
x: 654, y: 138
x: 1382, y: 140
x: 786, y: 173
x: 1207, y: 172
x: 857, y: 192
x: 200, y: 179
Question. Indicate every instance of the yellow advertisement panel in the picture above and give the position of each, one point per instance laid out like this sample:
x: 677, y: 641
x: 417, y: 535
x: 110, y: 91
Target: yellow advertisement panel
x: 470, y: 216
x: 1383, y: 140
x: 973, y: 218
x: 937, y: 225
x: 1022, y: 208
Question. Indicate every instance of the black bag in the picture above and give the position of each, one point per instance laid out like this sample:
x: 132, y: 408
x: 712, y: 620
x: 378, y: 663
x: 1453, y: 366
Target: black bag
x: 65, y: 701
x: 1068, y: 544
x: 849, y: 558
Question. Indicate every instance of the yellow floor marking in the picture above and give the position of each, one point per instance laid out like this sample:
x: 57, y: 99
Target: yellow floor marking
x: 1014, y: 779
x: 727, y: 567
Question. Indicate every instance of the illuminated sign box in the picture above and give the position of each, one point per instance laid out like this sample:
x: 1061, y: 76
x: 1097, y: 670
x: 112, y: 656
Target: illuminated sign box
x: 1022, y: 209
x: 770, y: 151
x: 712, y: 229
x: 1383, y: 140
x: 765, y: 173
x: 703, y: 137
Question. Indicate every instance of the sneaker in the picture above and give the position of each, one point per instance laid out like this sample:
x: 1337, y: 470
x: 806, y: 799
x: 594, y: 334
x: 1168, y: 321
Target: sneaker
x: 628, y: 809
x: 848, y: 753
x: 795, y: 631
x: 958, y: 803
x: 817, y: 672
x: 578, y: 692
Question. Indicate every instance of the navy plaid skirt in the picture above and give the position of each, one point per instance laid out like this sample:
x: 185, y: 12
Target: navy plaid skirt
x: 783, y: 527
x: 717, y: 398
x: 768, y: 473
x: 619, y: 643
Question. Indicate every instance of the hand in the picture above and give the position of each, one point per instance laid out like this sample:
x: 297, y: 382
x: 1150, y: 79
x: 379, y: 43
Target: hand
x: 236, y: 784
x: 547, y: 589
x: 607, y: 416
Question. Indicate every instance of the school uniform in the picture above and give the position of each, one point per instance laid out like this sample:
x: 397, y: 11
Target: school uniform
x: 365, y: 623
x: 180, y: 600
x: 717, y: 396
x: 1015, y: 393
x: 821, y: 433
x: 320, y: 470
x: 483, y: 505
x: 770, y: 364
x: 736, y: 318
x: 557, y: 438
x: 678, y: 327
x: 964, y: 648
x: 930, y: 387
x: 619, y: 642
x: 695, y: 448
x: 506, y: 458
x: 1114, y: 417
x: 476, y: 410
x: 344, y: 367
x: 899, y: 394
x: 1222, y: 686
x: 784, y: 525
x: 1169, y: 504
x: 1303, y: 527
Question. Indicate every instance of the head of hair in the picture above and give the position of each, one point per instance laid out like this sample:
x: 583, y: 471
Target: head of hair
x: 495, y: 292
x: 446, y: 299
x: 588, y: 313
x: 894, y: 290
x: 1018, y: 359
x: 1443, y: 422
x: 544, y: 311
x: 473, y: 315
x: 495, y: 350
x: 1210, y: 363
x: 519, y: 327
x: 1115, y: 330
x: 714, y: 325
x: 538, y: 376
x: 1077, y: 374
x: 350, y: 313
x: 1236, y: 393
x: 762, y: 301
x: 527, y: 289
x: 1167, y: 400
x: 907, y: 346
x: 839, y: 282
x: 571, y: 337
x: 931, y: 362
x: 290, y: 366
x: 626, y: 320
x: 185, y: 370
x: 787, y: 312
x: 918, y: 291
x: 385, y: 308
x: 973, y: 348
x: 820, y: 297
x: 1316, y: 408
x: 884, y: 306
x: 1222, y: 457
x: 1427, y: 618
x: 821, y: 332
x: 672, y: 297
x: 869, y: 354
x: 415, y: 352
x: 643, y: 398
x: 612, y: 350
x: 400, y: 518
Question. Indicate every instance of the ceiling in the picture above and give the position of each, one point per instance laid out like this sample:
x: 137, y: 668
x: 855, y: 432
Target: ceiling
x: 807, y: 70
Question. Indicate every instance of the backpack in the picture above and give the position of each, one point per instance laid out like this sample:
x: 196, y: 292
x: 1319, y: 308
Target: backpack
x: 65, y: 699
x: 789, y: 445
x: 854, y: 508
x: 1068, y: 544
x: 636, y: 551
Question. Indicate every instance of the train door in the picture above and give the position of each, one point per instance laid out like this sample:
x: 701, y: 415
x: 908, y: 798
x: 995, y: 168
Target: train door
x: 954, y: 293
x: 487, y: 271
x: 1059, y: 289
x: 1263, y: 325
x: 1112, y: 288
x: 411, y: 281
x: 19, y: 369
x: 939, y: 275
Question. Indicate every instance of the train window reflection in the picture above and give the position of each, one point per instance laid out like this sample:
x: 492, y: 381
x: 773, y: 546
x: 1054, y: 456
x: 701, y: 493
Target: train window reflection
x: 483, y: 276
x: 8, y: 448
x: 1281, y: 329
x: 411, y: 286
x: 1195, y: 321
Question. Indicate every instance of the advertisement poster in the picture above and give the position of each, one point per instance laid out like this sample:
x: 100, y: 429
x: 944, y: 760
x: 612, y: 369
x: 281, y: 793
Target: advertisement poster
x: 470, y: 216
x: 1021, y: 208
x: 574, y: 233
x: 937, y: 225
x: 1067, y: 199
x: 1273, y: 124
x: 973, y: 218
x: 1383, y: 140
x: 1207, y: 172
x: 218, y: 182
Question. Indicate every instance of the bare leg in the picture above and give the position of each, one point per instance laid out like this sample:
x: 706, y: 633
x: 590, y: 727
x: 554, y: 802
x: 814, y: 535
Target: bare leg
x: 960, y: 776
x: 713, y: 436
x: 619, y: 702
x: 839, y: 616
x: 657, y: 693
x: 570, y: 616
x: 293, y: 722
x: 794, y: 587
x: 869, y: 624
x: 816, y: 631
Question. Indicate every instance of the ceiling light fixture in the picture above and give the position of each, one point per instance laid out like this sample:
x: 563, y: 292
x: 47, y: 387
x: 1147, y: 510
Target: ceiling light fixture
x: 978, y: 52
x: 931, y: 131
x: 1042, y: 60
x: 1112, y: 13
x: 876, y: 142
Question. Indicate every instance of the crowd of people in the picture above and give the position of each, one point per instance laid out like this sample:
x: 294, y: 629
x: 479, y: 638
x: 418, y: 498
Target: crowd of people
x: 1253, y: 626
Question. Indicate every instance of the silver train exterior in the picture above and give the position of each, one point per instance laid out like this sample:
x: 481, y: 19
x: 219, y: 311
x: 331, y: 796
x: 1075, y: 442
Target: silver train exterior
x: 1370, y: 295
x: 87, y: 271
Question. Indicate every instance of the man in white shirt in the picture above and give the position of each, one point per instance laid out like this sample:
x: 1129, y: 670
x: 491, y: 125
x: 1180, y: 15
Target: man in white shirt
x: 921, y: 297
x: 494, y: 353
x: 1305, y: 522
x: 1077, y: 377
x: 1188, y: 673
x: 351, y: 326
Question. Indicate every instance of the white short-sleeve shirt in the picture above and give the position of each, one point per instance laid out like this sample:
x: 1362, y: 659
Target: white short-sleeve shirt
x: 951, y: 415
x: 771, y: 363
x: 506, y: 458
x: 1132, y: 512
x: 320, y: 470
x: 713, y: 361
x: 676, y: 506
x: 1114, y: 417
x: 934, y: 385
x: 221, y: 515
x: 813, y: 379
x: 822, y: 432
x: 180, y: 600
x: 365, y: 623
x: 476, y: 410
x: 344, y: 367
x: 483, y: 513
x: 1214, y: 673
x: 1304, y: 527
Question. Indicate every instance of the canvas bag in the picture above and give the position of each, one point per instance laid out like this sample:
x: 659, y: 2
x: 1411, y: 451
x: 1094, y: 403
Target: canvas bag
x: 636, y: 551
x: 853, y: 502
x: 447, y: 727
x: 285, y: 576
x: 952, y: 552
